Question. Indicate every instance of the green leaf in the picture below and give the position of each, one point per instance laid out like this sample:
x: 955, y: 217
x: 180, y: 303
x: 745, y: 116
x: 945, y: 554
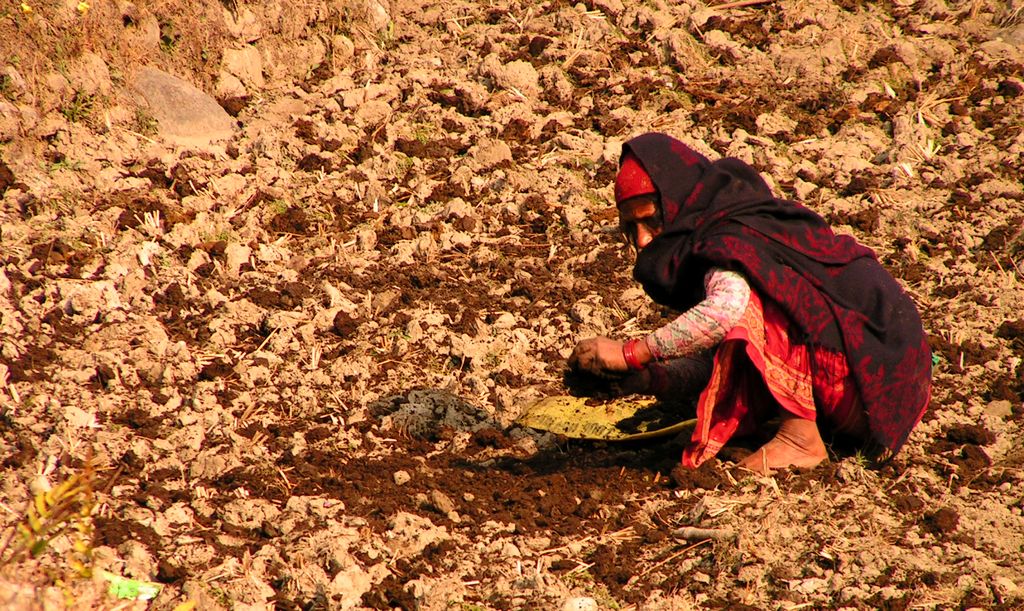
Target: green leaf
x: 131, y: 589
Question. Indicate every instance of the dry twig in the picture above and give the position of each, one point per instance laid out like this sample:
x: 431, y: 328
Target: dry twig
x: 673, y: 557
x: 741, y: 4
x: 692, y: 533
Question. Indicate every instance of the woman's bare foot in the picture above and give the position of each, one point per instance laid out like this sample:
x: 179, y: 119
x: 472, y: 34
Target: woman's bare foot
x: 797, y: 444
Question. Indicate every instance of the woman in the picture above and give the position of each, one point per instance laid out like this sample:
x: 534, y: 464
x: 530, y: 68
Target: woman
x: 781, y: 317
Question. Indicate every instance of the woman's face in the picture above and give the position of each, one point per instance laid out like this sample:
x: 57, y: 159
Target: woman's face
x: 640, y: 220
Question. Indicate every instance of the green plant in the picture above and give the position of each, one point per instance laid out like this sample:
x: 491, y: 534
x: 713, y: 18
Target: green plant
x: 64, y: 164
x: 65, y: 508
x: 6, y: 86
x: 279, y: 206
x: 584, y: 581
x: 405, y: 164
x: 386, y: 38
x: 79, y: 108
x: 861, y: 461
x: 220, y: 596
x: 168, y: 37
x: 579, y: 579
x: 144, y: 123
x: 604, y: 598
x: 423, y: 133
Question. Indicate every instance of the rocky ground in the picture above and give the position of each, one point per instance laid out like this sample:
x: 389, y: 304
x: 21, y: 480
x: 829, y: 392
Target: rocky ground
x: 277, y: 278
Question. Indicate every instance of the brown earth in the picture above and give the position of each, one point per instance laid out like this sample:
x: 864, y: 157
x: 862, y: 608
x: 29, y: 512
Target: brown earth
x: 288, y: 363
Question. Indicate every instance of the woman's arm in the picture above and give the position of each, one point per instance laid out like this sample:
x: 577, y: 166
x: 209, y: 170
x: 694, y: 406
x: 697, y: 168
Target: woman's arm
x: 694, y: 332
x: 705, y: 325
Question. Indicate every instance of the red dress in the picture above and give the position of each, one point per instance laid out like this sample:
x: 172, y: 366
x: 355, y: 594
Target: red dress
x: 757, y: 355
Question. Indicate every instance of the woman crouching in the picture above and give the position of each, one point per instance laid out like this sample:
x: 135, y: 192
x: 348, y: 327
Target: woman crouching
x: 782, y: 318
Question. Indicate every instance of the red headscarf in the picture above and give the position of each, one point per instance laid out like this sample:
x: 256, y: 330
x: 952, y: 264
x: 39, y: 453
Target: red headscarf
x: 632, y: 180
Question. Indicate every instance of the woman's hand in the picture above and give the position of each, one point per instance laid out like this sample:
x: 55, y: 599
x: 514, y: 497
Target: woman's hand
x: 599, y: 356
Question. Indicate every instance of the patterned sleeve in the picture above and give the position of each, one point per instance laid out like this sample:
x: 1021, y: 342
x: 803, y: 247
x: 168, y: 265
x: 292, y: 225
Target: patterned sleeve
x: 704, y: 325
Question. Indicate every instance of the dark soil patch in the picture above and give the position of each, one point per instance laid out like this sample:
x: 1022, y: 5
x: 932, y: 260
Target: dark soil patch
x: 31, y: 364
x: 283, y: 296
x: 293, y: 221
x: 137, y: 205
x: 142, y: 422
x: 970, y: 433
x: 941, y: 522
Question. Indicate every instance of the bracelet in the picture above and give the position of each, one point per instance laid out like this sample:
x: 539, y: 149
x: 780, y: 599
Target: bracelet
x: 629, y: 354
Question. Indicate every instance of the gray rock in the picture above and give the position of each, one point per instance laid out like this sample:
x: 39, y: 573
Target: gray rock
x: 441, y: 501
x: 186, y: 115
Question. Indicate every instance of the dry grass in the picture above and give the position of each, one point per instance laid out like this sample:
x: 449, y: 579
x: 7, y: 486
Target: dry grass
x: 1012, y: 14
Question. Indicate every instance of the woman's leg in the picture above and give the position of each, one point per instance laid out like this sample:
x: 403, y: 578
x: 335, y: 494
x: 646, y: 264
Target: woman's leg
x: 679, y: 378
x: 797, y: 444
x: 668, y: 380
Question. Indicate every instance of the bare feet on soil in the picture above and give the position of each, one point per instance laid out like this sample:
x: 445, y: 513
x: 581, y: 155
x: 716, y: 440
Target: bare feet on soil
x: 797, y: 444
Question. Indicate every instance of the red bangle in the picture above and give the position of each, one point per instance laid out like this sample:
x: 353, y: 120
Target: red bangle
x: 629, y: 354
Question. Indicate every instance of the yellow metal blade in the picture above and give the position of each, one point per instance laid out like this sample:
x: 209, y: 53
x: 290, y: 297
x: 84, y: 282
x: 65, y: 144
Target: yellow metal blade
x: 621, y: 419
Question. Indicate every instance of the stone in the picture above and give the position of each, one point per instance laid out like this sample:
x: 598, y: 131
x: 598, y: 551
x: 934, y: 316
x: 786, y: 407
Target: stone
x: 1013, y: 35
x: 610, y: 7
x: 243, y: 24
x: 231, y: 93
x: 774, y: 123
x: 441, y: 502
x: 376, y: 15
x: 490, y: 153
x: 15, y: 82
x: 142, y: 28
x: 186, y: 115
x: 518, y: 75
x: 1007, y: 589
x: 803, y: 189
x: 999, y: 409
x: 90, y: 76
x: 342, y: 47
x: 573, y: 216
x: 10, y: 120
x: 57, y: 90
x: 235, y: 256
x: 293, y: 60
x: 246, y: 64
x: 229, y: 87
x: 580, y: 603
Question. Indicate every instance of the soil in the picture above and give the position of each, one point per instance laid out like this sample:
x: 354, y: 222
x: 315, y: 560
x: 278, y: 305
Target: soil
x: 289, y: 363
